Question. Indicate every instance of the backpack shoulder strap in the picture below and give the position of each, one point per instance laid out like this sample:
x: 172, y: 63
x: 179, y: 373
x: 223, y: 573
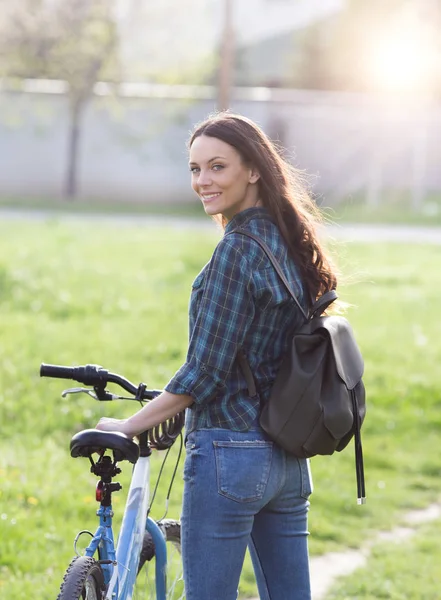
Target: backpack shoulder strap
x: 275, y: 264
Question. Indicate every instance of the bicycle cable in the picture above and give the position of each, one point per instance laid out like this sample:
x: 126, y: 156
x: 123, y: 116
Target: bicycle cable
x: 77, y: 537
x: 181, y: 445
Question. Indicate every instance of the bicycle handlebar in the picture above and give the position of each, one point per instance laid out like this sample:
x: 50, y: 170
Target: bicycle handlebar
x: 162, y: 436
x: 97, y: 377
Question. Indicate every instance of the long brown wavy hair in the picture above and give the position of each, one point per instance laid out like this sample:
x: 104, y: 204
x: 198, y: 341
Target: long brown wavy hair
x: 282, y: 193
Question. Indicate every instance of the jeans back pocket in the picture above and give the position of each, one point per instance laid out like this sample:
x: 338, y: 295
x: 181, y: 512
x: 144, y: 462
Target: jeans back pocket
x: 243, y: 469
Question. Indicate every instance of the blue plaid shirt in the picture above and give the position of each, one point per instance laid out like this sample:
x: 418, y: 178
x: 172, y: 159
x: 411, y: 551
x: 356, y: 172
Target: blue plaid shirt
x: 238, y: 302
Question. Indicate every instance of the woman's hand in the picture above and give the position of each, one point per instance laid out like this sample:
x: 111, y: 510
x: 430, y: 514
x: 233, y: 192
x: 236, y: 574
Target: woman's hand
x: 160, y: 409
x: 109, y: 424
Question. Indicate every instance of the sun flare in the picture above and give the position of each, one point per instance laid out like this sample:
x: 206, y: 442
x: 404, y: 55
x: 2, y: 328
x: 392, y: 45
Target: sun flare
x: 404, y: 61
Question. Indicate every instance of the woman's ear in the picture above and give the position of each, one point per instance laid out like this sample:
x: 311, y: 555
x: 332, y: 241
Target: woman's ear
x: 254, y: 176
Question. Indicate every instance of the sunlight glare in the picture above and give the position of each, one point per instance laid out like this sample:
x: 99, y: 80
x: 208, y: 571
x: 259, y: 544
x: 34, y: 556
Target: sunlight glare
x: 402, y: 62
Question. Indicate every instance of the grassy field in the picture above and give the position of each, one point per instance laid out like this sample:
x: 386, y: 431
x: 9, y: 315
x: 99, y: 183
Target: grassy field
x: 398, y: 571
x: 115, y: 296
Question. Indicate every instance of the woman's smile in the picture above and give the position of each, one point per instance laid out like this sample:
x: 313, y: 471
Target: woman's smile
x: 207, y: 197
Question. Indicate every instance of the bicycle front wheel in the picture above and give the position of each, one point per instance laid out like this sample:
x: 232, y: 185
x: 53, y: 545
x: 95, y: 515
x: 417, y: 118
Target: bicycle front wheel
x: 83, y: 580
x: 145, y: 582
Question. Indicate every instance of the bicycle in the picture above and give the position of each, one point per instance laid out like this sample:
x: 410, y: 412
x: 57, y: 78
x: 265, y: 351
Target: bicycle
x: 106, y: 571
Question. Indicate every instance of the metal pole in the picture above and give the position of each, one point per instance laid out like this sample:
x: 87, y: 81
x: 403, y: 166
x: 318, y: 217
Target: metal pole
x: 226, y: 57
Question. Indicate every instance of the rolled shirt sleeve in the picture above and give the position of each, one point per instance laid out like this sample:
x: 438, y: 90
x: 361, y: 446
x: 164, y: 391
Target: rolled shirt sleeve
x: 223, y: 317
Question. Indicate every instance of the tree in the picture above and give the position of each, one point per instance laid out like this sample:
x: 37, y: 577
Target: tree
x: 168, y: 42
x: 71, y: 40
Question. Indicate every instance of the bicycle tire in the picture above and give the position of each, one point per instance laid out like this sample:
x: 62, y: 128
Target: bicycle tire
x: 83, y: 580
x: 145, y: 582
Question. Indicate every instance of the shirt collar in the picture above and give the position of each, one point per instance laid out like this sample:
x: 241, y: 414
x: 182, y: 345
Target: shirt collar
x: 255, y: 212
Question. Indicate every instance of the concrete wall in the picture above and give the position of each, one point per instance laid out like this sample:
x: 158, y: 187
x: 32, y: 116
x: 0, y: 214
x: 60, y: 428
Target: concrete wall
x: 133, y: 146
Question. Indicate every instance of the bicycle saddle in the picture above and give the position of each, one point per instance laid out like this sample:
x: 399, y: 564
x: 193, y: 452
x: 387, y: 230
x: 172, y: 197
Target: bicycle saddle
x: 87, y: 442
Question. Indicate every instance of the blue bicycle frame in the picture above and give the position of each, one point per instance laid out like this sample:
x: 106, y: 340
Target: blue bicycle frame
x: 120, y: 567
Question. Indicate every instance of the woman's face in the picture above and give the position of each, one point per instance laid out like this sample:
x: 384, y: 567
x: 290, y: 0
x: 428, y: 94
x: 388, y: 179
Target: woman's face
x: 218, y: 176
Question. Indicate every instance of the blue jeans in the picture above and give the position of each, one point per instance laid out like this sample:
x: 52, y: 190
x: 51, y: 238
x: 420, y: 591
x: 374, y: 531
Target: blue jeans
x: 241, y: 489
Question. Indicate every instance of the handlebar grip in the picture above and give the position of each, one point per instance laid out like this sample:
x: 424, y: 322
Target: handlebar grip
x: 57, y: 371
x: 92, y: 375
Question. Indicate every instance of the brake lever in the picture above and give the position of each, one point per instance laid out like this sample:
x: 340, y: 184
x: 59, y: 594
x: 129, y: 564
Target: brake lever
x: 103, y: 394
x: 78, y: 390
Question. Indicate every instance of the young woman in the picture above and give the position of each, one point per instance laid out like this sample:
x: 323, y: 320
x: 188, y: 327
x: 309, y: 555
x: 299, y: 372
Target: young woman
x: 240, y: 488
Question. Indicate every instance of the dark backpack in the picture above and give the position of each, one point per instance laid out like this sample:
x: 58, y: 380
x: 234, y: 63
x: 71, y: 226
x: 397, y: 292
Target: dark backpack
x: 317, y: 402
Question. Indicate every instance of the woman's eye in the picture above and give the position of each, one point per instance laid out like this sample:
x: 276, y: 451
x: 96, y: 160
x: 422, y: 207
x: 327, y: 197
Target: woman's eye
x: 194, y: 169
x: 217, y: 167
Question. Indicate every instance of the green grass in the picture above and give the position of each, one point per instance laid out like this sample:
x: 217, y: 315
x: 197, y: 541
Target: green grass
x: 397, y: 571
x: 118, y: 297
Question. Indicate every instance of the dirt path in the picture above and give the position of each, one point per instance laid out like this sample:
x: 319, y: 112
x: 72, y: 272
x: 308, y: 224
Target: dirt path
x: 347, y: 231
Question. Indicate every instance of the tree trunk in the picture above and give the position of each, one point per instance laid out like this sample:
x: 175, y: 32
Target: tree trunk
x: 76, y: 112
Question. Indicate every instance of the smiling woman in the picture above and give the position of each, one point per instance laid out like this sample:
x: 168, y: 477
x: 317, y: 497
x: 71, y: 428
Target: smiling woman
x: 221, y: 179
x: 240, y: 488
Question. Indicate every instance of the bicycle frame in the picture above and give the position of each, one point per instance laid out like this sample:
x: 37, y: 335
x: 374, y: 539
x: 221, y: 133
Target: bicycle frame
x: 120, y: 567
